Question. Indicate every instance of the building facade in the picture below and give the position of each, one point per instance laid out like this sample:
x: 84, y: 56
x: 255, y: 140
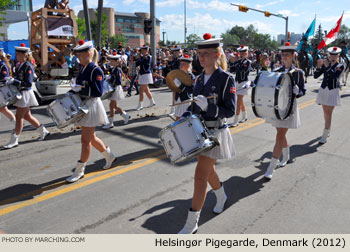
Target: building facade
x: 129, y: 24
x: 19, y: 12
x: 294, y: 37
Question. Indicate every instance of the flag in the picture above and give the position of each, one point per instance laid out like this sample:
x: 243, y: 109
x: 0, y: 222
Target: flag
x: 331, y: 36
x: 310, y: 32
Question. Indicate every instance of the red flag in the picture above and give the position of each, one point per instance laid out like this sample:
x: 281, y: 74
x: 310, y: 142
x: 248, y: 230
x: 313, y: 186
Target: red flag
x: 331, y: 36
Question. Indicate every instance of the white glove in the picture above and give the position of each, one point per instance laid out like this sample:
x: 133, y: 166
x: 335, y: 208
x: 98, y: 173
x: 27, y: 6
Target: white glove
x: 107, y: 77
x: 177, y: 82
x: 246, y: 85
x: 76, y: 88
x: 9, y: 80
x: 202, y: 102
x: 296, y: 89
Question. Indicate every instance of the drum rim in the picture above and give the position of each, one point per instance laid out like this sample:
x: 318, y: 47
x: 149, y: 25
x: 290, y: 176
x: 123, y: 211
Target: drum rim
x: 277, y: 95
x: 253, y: 96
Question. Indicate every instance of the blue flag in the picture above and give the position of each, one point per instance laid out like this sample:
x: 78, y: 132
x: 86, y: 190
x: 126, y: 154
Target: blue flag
x: 309, y: 32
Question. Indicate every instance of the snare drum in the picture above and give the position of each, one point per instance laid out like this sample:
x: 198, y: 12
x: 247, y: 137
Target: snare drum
x: 272, y: 95
x: 9, y: 94
x: 108, y: 90
x: 67, y: 110
x: 186, y: 138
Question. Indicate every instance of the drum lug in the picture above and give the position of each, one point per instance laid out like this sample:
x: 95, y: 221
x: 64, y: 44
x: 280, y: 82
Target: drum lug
x: 276, y: 107
x: 278, y: 87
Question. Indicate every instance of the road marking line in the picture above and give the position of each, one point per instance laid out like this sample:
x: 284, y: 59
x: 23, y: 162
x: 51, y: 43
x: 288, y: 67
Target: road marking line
x: 108, y: 174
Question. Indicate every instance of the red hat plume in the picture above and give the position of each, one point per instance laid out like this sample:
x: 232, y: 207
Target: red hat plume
x: 335, y: 48
x: 81, y: 42
x: 114, y: 53
x: 207, y: 36
x: 186, y: 56
x: 23, y: 45
x: 242, y: 46
x: 287, y: 44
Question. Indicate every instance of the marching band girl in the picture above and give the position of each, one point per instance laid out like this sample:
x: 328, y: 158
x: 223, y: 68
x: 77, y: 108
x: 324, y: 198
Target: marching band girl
x: 242, y: 68
x: 293, y: 122
x: 5, y: 72
x: 89, y: 84
x: 118, y: 94
x: 174, y: 64
x: 24, y: 81
x: 328, y: 94
x: 145, y: 77
x: 186, y: 91
x: 219, y: 84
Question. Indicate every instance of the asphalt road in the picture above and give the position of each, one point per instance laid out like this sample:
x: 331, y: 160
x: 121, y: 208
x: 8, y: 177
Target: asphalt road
x: 144, y: 193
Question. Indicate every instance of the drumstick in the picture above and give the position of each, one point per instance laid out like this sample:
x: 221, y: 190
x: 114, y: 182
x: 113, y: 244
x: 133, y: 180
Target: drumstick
x: 191, y: 100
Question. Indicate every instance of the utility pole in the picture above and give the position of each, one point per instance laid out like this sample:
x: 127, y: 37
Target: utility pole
x: 87, y: 19
x: 185, y: 28
x: 164, y: 37
x: 99, y: 22
x: 153, y: 32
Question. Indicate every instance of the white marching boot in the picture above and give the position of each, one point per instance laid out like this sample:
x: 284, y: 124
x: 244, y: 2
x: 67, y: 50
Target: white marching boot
x: 139, y: 106
x: 271, y: 168
x: 110, y: 124
x: 235, y: 121
x: 126, y: 117
x: 109, y: 156
x: 43, y: 132
x: 325, y: 134
x: 244, y: 117
x: 221, y: 199
x: 78, y: 173
x: 13, y: 141
x: 285, y: 156
x: 151, y: 102
x: 191, y: 225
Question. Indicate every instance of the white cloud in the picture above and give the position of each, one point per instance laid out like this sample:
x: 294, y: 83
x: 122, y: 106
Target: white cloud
x: 259, y: 6
x: 174, y: 22
x: 169, y: 3
x: 288, y: 13
x: 128, y: 2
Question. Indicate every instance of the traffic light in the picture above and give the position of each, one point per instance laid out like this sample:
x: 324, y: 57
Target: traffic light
x: 147, y: 28
x: 267, y: 14
x: 243, y: 8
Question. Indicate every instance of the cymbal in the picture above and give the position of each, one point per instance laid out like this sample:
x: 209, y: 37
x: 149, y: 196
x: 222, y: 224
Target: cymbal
x: 181, y: 76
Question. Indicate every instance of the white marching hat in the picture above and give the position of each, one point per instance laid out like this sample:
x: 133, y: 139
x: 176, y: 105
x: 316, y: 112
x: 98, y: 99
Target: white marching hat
x: 288, y: 47
x: 186, y: 57
x: 114, y: 56
x: 144, y: 47
x: 334, y: 50
x: 22, y: 48
x: 176, y: 48
x: 208, y: 42
x: 242, y: 48
x: 83, y: 46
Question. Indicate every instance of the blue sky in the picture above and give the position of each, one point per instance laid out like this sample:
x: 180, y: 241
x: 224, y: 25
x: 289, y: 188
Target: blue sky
x: 216, y: 16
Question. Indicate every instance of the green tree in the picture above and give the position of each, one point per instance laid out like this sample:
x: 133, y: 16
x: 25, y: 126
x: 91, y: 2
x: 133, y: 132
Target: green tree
x: 116, y: 39
x: 191, y: 40
x: 104, y: 28
x: 4, y: 5
x: 319, y: 35
x: 81, y: 28
x: 344, y: 33
x: 229, y: 39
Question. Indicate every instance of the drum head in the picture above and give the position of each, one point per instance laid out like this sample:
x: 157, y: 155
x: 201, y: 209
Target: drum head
x: 284, y: 99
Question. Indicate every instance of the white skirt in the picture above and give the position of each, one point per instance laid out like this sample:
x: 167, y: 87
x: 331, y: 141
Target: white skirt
x: 118, y: 94
x: 28, y: 99
x: 146, y: 79
x: 239, y: 90
x: 293, y: 122
x: 328, y: 97
x: 96, y: 116
x: 180, y: 109
x: 225, y: 150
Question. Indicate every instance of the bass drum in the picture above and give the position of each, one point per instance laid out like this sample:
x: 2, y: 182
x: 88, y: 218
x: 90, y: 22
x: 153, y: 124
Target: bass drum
x: 272, y: 95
